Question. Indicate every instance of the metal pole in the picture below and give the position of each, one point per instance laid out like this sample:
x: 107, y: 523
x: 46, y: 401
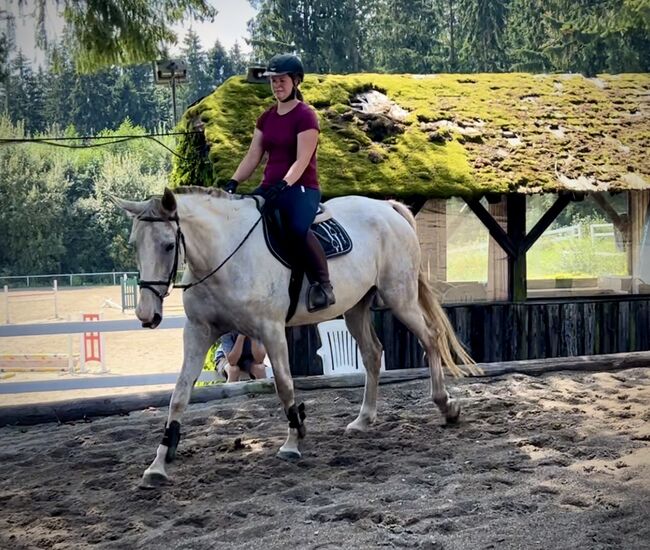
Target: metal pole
x: 174, y: 96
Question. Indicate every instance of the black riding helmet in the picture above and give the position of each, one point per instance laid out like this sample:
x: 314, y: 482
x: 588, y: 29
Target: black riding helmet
x: 285, y: 63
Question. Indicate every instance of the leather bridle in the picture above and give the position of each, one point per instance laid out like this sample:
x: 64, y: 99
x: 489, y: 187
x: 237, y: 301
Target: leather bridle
x: 169, y: 283
x: 180, y: 241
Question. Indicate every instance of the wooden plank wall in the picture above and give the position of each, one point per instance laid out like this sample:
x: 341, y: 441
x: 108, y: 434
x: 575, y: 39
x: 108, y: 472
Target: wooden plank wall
x: 512, y: 332
x: 507, y: 332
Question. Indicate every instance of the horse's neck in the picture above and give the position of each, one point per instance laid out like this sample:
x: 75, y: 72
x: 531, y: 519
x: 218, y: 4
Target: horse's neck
x: 212, y: 227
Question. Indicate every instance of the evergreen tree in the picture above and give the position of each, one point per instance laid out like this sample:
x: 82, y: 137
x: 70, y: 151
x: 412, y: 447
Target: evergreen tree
x: 199, y: 82
x: 329, y: 35
x: 25, y: 94
x: 238, y: 62
x: 61, y: 77
x: 91, y: 102
x: 405, y: 38
x: 121, y: 32
x: 527, y: 31
x: 219, y: 64
x: 483, y: 25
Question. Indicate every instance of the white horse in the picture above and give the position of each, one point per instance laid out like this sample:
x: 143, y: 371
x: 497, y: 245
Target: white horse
x: 236, y: 284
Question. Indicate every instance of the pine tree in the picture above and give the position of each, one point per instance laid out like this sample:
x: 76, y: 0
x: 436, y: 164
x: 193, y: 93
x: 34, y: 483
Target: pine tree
x: 121, y: 32
x: 406, y: 37
x: 483, y: 27
x: 527, y: 30
x: 199, y: 83
x: 238, y: 60
x: 329, y: 35
x: 219, y: 64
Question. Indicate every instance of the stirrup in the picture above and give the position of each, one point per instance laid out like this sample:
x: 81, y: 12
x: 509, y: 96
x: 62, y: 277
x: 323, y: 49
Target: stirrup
x: 320, y: 296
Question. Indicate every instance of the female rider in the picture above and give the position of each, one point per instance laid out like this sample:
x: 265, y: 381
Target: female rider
x: 288, y: 132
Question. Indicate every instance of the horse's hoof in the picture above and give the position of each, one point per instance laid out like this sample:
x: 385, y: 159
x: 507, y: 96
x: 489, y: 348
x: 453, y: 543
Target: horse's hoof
x: 453, y: 412
x: 357, y: 426
x: 289, y: 454
x: 153, y: 480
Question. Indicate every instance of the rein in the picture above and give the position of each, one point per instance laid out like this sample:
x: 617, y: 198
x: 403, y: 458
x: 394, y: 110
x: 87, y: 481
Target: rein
x: 180, y: 240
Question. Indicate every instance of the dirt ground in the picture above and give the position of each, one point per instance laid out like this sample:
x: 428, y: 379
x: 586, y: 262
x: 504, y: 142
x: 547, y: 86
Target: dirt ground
x: 560, y: 461
x: 141, y: 352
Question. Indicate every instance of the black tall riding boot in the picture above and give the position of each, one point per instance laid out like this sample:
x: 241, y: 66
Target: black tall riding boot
x: 320, y: 294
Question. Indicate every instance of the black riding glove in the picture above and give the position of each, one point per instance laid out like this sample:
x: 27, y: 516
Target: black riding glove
x: 231, y: 186
x: 272, y: 194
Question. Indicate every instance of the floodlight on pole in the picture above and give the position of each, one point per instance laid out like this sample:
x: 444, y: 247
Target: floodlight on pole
x: 172, y: 71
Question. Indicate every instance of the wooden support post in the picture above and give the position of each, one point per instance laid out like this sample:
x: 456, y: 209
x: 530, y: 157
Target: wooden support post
x: 497, y: 283
x: 516, y: 210
x: 513, y: 240
x: 638, y: 214
x: 432, y: 234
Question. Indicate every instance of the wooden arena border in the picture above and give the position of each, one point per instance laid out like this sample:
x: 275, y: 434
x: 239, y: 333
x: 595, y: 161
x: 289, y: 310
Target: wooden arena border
x: 83, y: 409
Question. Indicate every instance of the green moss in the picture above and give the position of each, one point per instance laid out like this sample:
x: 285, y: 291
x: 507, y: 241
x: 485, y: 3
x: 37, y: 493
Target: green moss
x: 470, y: 155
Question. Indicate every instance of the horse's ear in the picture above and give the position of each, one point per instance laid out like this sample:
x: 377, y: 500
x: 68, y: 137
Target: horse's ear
x: 132, y: 208
x: 168, y: 201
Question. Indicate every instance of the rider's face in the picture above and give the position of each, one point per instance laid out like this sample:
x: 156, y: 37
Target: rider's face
x: 281, y: 86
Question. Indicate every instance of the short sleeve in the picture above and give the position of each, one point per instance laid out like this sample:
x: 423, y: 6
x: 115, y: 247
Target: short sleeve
x: 228, y: 342
x: 261, y: 120
x: 308, y: 120
x: 219, y: 353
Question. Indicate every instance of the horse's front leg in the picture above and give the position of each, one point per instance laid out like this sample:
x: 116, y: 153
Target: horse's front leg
x: 197, y: 339
x: 275, y: 342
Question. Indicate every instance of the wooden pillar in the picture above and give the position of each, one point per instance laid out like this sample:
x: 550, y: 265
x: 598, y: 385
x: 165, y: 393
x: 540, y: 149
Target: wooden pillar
x: 432, y: 234
x: 638, y: 203
x: 497, y: 284
x: 516, y: 211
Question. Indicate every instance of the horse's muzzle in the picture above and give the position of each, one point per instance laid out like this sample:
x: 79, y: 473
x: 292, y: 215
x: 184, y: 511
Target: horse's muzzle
x: 157, y: 318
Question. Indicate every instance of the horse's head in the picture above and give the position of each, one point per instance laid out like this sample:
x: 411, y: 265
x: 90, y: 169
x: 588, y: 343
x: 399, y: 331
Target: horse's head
x: 156, y: 236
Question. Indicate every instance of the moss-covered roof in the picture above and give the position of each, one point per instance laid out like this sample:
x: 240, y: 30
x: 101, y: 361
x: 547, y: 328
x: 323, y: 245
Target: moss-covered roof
x: 461, y: 134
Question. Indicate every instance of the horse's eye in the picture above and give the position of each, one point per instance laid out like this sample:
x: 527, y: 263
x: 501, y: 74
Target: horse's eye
x: 169, y: 247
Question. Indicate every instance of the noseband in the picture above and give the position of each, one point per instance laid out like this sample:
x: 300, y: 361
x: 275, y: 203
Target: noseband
x: 180, y: 240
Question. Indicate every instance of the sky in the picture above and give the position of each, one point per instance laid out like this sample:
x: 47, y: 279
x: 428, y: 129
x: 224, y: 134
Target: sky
x: 229, y: 26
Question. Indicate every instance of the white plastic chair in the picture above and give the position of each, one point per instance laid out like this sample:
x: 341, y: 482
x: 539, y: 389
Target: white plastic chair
x: 339, y: 351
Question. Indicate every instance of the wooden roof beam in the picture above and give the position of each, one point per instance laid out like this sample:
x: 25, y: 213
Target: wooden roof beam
x: 496, y: 232
x: 546, y: 220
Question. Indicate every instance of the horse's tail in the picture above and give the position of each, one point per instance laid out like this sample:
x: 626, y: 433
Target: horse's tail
x: 445, y: 337
x: 440, y: 328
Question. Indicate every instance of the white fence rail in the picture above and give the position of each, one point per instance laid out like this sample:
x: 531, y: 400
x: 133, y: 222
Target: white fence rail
x: 26, y: 281
x: 102, y: 381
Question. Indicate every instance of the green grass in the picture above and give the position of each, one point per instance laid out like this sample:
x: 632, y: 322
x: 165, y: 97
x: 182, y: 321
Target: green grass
x: 547, y: 259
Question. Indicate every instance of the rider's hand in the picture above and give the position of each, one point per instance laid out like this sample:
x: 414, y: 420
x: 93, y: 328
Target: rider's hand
x: 231, y: 186
x: 274, y: 191
x: 272, y: 194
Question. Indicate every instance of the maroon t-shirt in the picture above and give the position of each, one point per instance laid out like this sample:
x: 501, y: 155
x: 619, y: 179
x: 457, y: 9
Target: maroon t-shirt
x: 280, y: 141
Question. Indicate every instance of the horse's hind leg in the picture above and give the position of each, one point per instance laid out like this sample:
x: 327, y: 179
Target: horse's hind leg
x: 197, y: 339
x: 406, y: 308
x: 360, y: 326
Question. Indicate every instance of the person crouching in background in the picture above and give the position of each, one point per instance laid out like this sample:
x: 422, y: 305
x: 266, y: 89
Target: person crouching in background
x: 243, y: 354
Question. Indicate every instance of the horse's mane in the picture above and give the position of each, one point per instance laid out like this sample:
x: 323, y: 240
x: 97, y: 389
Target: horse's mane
x: 197, y: 190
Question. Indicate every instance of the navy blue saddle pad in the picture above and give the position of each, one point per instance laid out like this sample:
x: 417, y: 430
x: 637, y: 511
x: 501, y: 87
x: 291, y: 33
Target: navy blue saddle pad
x: 331, y: 234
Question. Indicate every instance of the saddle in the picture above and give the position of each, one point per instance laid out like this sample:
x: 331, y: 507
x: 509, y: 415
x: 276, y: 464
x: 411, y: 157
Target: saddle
x: 332, y: 236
